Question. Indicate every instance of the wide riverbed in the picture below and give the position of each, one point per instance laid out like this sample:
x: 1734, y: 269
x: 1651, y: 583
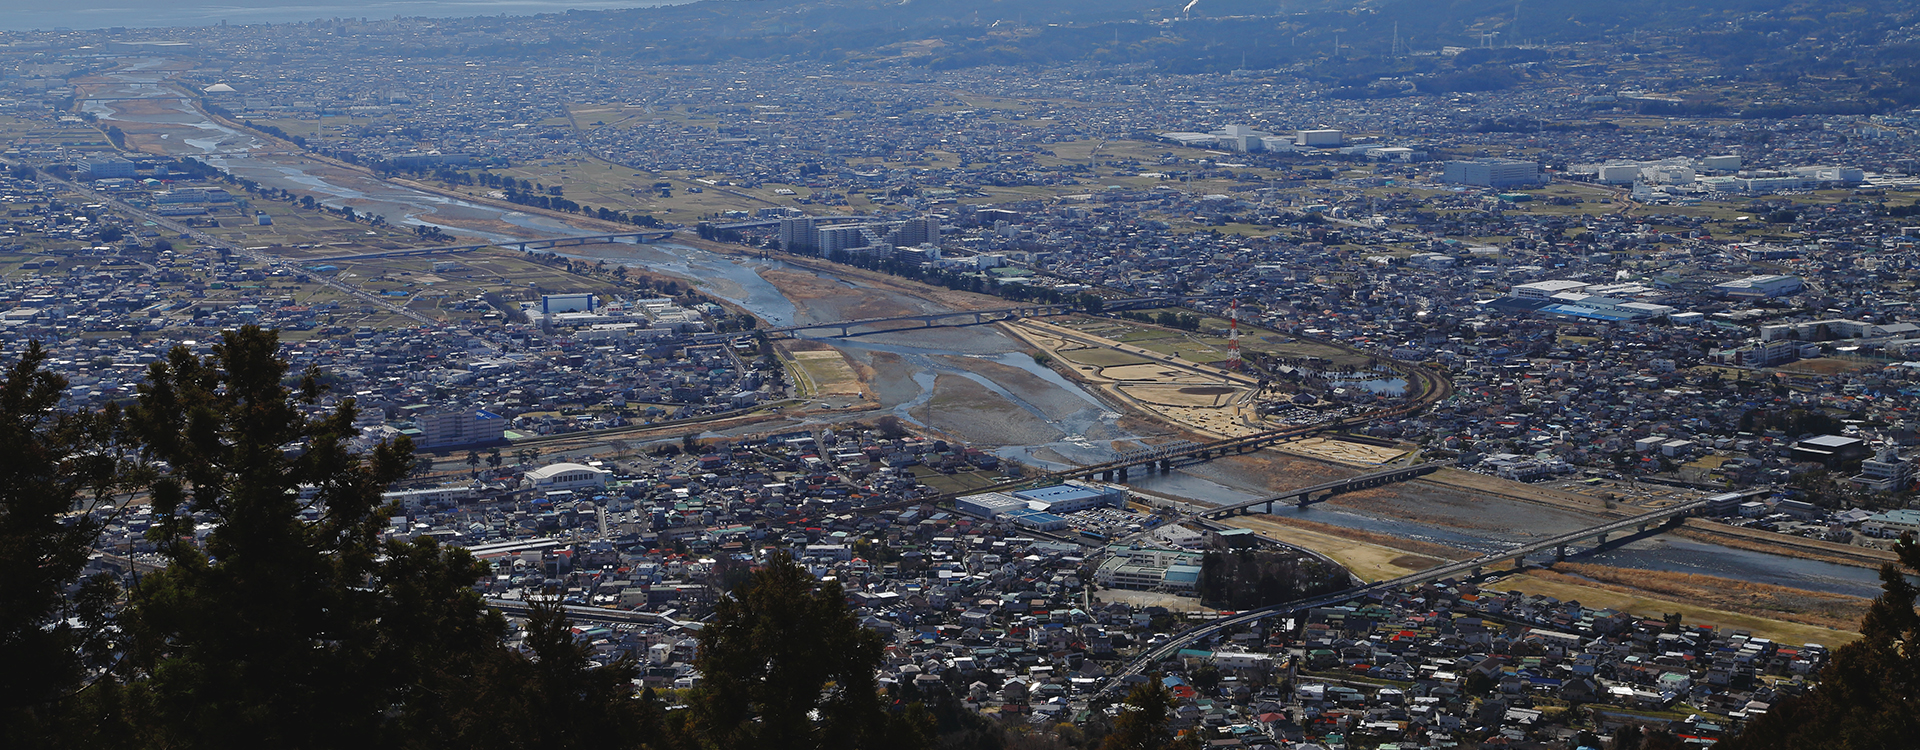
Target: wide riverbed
x: 917, y: 374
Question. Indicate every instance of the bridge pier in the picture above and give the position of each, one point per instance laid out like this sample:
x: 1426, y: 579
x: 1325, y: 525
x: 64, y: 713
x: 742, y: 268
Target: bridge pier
x: 1601, y: 539
x: 1106, y: 476
x: 1123, y: 473
x: 1641, y: 528
x: 1166, y: 465
x: 1560, y: 552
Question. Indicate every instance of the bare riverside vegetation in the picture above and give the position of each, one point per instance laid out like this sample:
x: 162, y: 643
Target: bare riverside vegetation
x: 1744, y: 165
x: 1795, y: 605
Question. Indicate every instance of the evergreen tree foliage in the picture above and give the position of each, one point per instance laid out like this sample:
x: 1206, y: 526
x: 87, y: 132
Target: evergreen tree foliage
x: 278, y: 627
x: 1144, y: 722
x: 283, y: 619
x: 565, y: 701
x: 1869, y: 694
x: 785, y: 666
x: 52, y: 624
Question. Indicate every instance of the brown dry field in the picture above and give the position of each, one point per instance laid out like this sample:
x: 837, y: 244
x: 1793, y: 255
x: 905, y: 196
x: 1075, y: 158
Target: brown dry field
x: 1776, y: 602
x: 830, y: 372
x: 1779, y: 544
x: 1802, y: 617
x: 1567, y: 588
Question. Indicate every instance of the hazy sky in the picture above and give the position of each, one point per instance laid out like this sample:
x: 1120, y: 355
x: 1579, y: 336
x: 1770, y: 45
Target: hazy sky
x: 20, y: 15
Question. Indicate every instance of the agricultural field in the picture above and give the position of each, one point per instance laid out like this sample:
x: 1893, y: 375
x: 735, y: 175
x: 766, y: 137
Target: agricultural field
x: 69, y: 130
x: 297, y: 232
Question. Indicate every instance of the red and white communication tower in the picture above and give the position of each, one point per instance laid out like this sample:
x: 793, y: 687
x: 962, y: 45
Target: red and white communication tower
x: 1233, y: 338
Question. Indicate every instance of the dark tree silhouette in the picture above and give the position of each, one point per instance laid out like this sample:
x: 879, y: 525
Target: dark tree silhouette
x: 1869, y: 695
x: 785, y: 666
x: 50, y: 621
x: 1144, y: 721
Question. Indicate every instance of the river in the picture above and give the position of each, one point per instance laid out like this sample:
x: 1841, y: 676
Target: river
x: 1069, y: 423
x: 1665, y: 552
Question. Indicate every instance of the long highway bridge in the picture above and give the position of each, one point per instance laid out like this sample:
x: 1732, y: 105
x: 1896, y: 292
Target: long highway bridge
x: 521, y: 245
x: 848, y: 328
x: 1306, y: 495
x: 1644, y: 524
x: 893, y: 324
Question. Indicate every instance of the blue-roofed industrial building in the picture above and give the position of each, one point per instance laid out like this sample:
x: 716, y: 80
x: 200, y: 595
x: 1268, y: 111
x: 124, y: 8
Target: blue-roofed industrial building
x: 1037, y: 520
x: 990, y: 504
x: 1073, y: 496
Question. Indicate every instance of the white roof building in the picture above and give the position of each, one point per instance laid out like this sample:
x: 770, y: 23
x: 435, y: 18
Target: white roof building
x: 1547, y: 289
x: 566, y: 476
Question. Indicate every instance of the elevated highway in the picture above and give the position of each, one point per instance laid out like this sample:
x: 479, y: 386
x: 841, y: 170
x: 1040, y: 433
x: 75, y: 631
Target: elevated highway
x: 522, y: 245
x: 867, y: 326
x: 848, y: 328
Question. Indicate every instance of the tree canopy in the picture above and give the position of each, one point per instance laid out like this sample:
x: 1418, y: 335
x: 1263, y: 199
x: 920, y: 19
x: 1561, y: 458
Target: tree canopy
x: 284, y: 617
x: 1145, y: 722
x: 52, y: 625
x: 1869, y: 694
x: 785, y: 666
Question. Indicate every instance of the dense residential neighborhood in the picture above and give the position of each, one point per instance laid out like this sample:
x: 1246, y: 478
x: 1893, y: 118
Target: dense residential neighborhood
x: 582, y: 288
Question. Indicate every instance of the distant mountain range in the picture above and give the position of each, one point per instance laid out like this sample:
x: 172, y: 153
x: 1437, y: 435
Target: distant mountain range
x: 1865, y: 53
x: 1220, y: 33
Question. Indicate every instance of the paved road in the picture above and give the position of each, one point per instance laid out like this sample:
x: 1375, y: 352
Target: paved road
x: 1145, y: 661
x: 254, y: 255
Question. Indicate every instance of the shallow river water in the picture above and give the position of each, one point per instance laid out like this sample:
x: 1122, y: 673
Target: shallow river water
x: 927, y: 353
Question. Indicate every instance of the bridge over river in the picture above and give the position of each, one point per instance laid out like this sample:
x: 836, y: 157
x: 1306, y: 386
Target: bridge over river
x: 1644, y: 524
x: 521, y: 245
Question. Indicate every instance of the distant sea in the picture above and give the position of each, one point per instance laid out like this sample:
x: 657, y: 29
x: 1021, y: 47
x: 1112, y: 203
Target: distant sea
x: 25, y: 15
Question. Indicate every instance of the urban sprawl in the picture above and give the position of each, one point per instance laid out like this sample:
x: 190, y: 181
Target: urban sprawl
x: 1634, y: 314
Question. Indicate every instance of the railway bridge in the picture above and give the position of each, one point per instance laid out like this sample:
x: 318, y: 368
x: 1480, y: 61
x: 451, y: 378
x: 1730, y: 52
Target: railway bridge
x: 1614, y: 532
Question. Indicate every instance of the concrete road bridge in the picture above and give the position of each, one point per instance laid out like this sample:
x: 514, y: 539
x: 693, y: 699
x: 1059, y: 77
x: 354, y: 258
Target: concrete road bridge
x: 954, y: 318
x: 849, y: 328
x: 1309, y: 495
x: 1614, y: 532
x: 521, y: 245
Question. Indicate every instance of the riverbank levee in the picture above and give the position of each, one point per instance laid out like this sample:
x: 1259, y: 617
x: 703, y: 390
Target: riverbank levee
x: 981, y: 383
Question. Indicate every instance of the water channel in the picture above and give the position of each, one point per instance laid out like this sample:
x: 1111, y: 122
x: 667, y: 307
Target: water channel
x: 1081, y: 427
x: 1664, y: 553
